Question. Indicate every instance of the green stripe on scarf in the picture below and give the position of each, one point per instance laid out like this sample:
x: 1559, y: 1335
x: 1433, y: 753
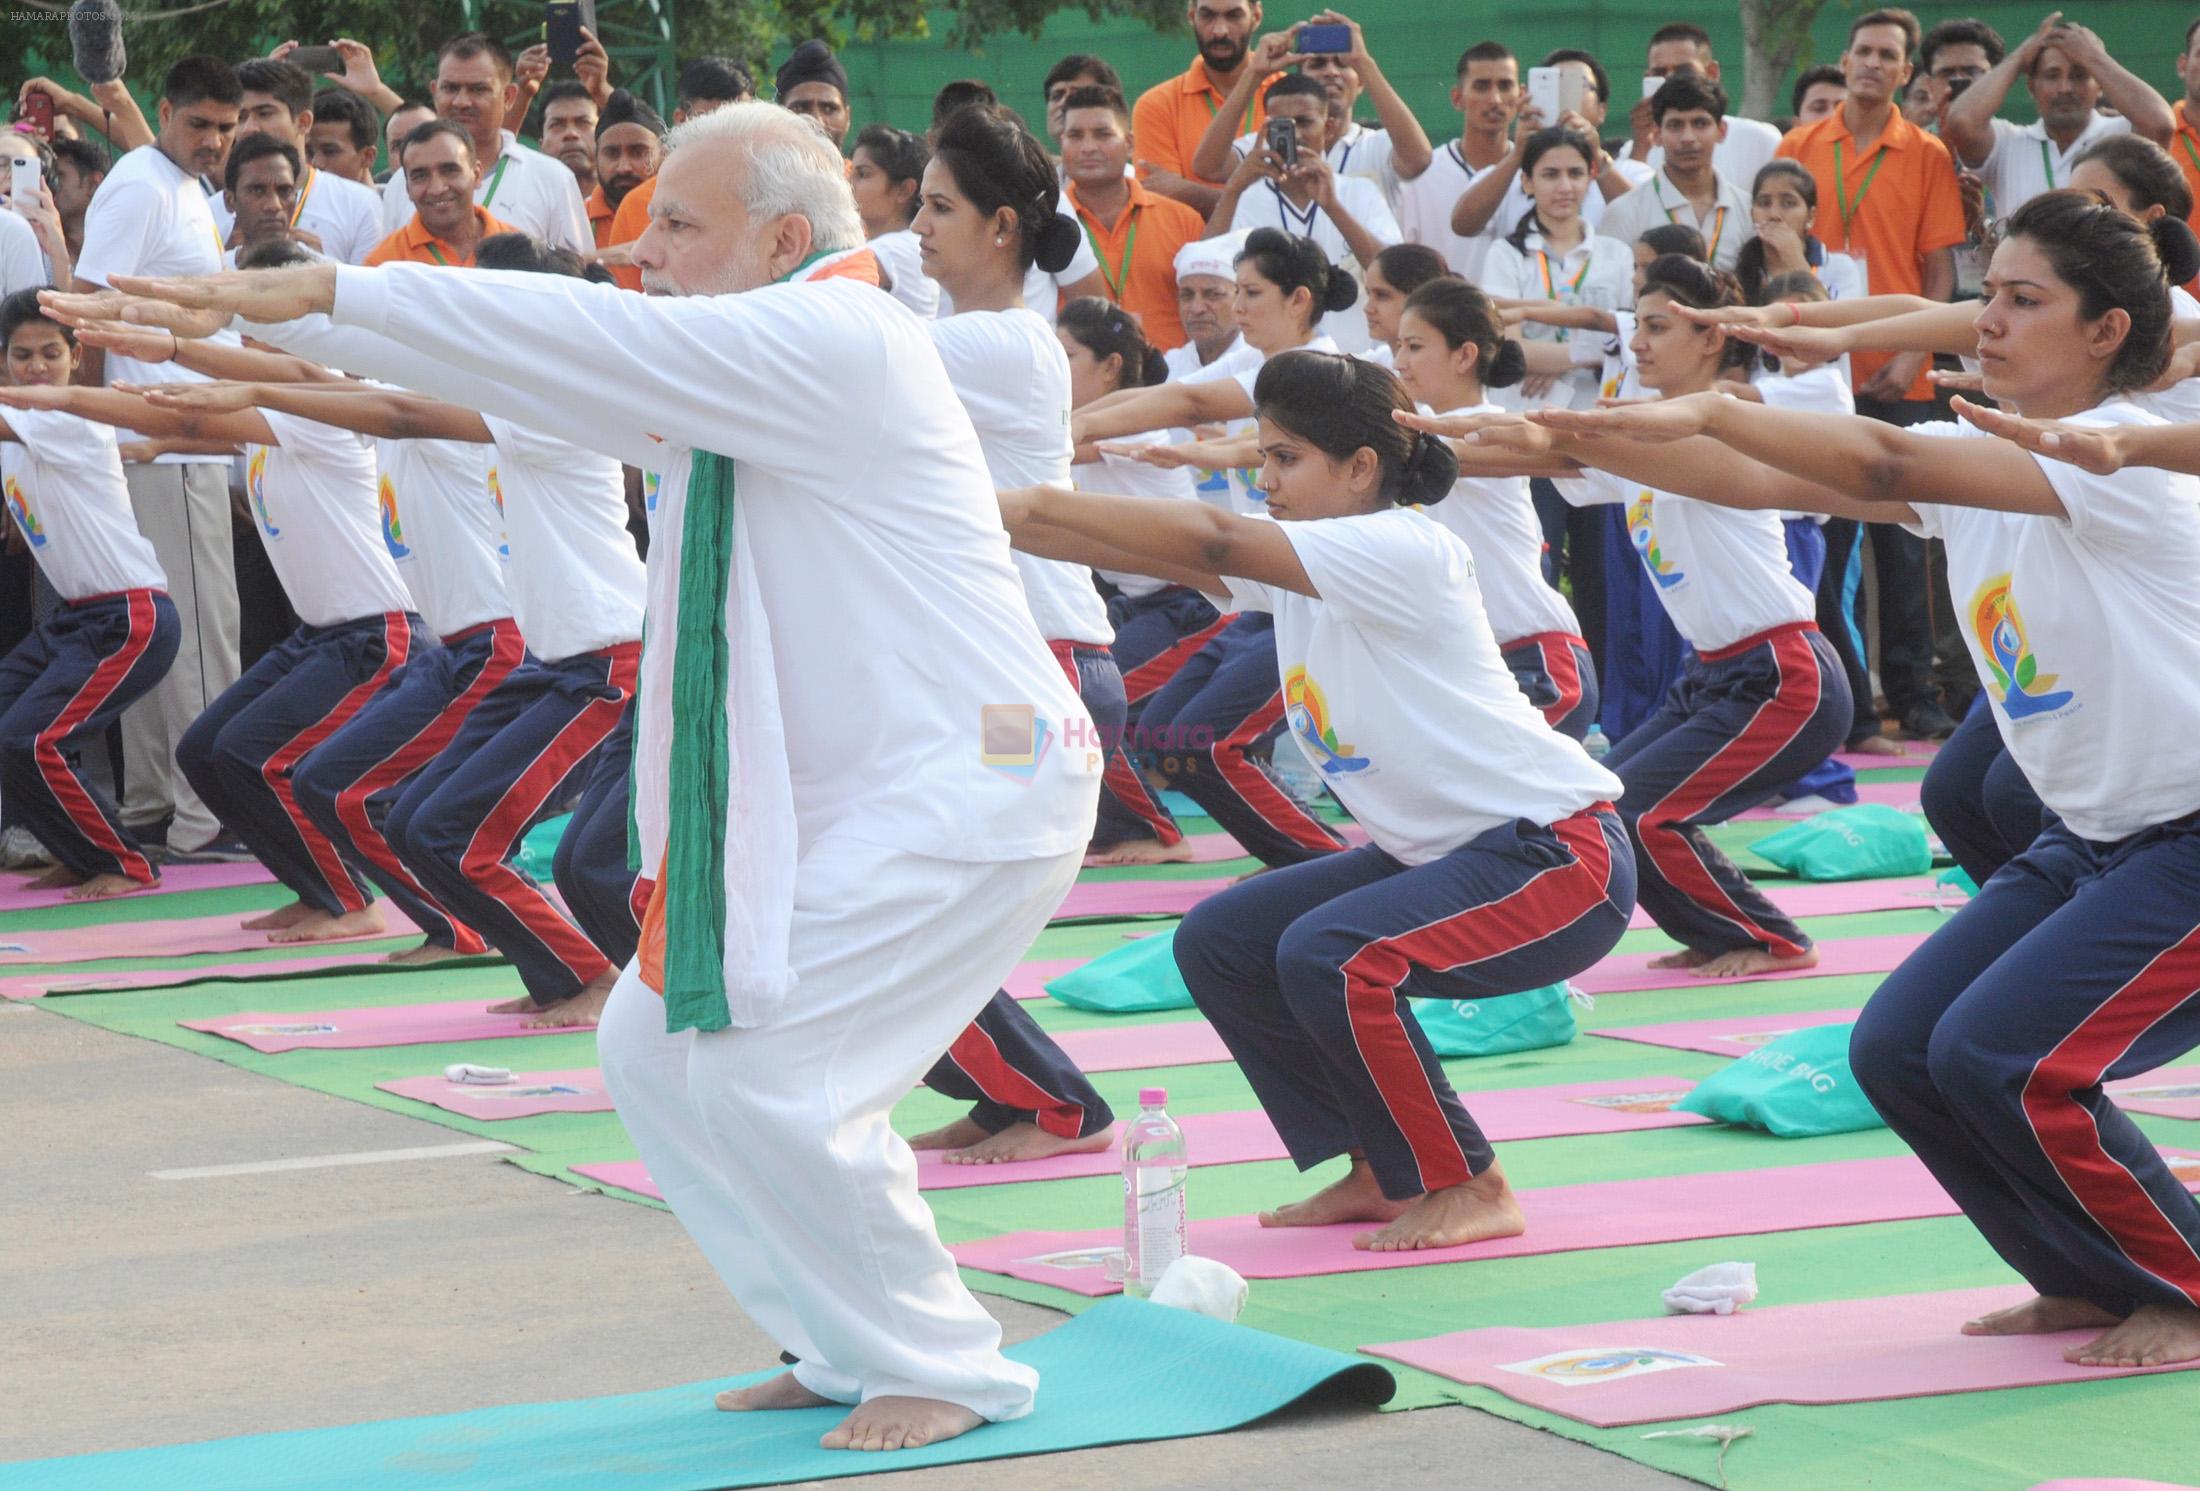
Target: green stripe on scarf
x: 695, y: 852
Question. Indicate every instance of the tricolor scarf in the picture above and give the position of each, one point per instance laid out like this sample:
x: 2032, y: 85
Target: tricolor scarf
x: 683, y: 947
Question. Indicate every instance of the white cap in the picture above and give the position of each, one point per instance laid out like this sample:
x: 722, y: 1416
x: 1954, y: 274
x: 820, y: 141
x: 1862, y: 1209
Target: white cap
x: 1211, y: 256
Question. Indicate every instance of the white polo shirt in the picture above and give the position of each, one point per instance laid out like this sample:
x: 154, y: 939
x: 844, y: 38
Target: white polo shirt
x: 344, y: 215
x: 1265, y: 206
x: 1725, y: 228
x: 1749, y: 147
x: 524, y: 188
x: 1425, y: 204
x: 1598, y: 272
x: 2024, y: 162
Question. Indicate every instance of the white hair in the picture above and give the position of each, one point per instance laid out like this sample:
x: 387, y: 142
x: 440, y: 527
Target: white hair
x: 793, y: 169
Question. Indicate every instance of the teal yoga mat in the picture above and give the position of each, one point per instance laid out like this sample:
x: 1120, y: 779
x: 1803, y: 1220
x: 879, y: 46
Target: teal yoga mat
x: 1124, y: 1371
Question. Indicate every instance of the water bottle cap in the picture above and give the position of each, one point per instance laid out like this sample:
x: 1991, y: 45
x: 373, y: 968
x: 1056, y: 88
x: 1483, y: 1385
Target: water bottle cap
x: 1153, y: 1097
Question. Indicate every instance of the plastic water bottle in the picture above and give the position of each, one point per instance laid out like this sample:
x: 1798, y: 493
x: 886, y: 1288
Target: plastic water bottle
x: 1154, y: 1164
x: 1596, y: 743
x: 1297, y: 774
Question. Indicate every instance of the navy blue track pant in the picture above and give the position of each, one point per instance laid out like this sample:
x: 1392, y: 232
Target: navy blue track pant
x: 1978, y: 799
x: 601, y: 888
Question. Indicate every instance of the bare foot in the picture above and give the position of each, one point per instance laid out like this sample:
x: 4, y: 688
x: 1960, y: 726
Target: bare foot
x: 1143, y: 852
x: 583, y: 1010
x: 101, y: 887
x: 900, y: 1424
x: 2042, y: 1316
x: 1876, y: 745
x: 428, y: 952
x: 364, y: 922
x: 60, y: 877
x: 783, y: 1391
x: 2153, y: 1336
x: 280, y: 917
x: 1687, y: 957
x: 524, y: 1005
x: 1754, y: 960
x: 1027, y: 1141
x: 957, y: 1135
x: 1353, y: 1198
x: 1481, y: 1209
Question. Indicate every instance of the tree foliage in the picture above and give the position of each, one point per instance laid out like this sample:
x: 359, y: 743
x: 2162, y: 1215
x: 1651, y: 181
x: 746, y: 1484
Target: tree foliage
x: 1774, y: 33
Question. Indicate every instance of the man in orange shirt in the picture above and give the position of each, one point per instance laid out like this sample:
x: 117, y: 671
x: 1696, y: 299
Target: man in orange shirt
x: 630, y: 145
x: 2185, y: 144
x: 1134, y: 231
x: 440, y: 175
x: 706, y: 85
x: 1171, y: 116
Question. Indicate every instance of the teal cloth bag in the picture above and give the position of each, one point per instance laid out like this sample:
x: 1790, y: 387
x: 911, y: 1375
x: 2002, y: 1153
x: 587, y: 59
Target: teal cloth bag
x: 1866, y: 842
x: 1795, y: 1087
x: 540, y: 846
x: 1135, y: 977
x: 1490, y: 1027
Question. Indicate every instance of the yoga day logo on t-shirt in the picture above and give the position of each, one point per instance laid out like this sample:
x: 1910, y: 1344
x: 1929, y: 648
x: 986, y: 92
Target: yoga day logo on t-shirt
x: 1307, y: 709
x: 650, y: 480
x: 1644, y: 531
x: 2022, y: 690
x: 1604, y: 1364
x: 496, y: 495
x: 393, y: 531
x: 26, y: 521
x: 255, y: 486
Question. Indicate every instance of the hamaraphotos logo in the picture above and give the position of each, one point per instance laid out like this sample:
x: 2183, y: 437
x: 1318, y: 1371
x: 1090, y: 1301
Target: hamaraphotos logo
x: 1013, y: 739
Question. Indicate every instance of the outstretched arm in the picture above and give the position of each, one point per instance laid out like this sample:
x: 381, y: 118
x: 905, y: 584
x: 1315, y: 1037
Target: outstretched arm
x: 1167, y: 406
x: 1189, y: 539
x: 215, y: 359
x: 130, y: 411
x: 2101, y: 450
x: 383, y: 413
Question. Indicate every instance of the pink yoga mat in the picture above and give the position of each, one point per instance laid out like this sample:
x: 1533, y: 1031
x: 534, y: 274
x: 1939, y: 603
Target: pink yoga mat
x: 353, y: 1030
x: 1732, y: 1037
x: 1700, y: 1366
x: 177, y: 937
x: 578, y: 1090
x: 1561, y: 1219
x: 1625, y: 971
x: 2172, y: 1092
x: 1915, y: 753
x: 173, y: 879
x: 1903, y: 795
x: 1207, y: 849
x: 1137, y: 897
x: 39, y: 985
x: 1126, y: 1048
x: 1801, y: 898
x: 1029, y: 981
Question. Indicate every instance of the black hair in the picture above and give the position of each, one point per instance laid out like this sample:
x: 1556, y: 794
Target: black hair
x: 996, y: 163
x: 2114, y: 263
x: 86, y: 156
x: 342, y: 106
x: 200, y: 80
x: 721, y: 80
x: 1540, y: 144
x: 1485, y: 51
x: 1680, y: 31
x: 1291, y: 264
x: 2189, y: 31
x: 1596, y: 69
x: 1692, y: 283
x: 1106, y: 330
x: 1293, y: 84
x: 2145, y: 170
x: 963, y: 93
x: 1675, y: 238
x: 1097, y: 96
x: 286, y: 82
x: 1965, y: 31
x: 1461, y: 313
x: 899, y: 153
x: 523, y: 251
x: 427, y: 130
x: 22, y: 308
x: 1409, y: 266
x: 258, y: 147
x: 1082, y: 65
x: 1806, y: 81
x: 1688, y: 90
x: 1891, y: 15
x: 1341, y: 405
x: 274, y: 253
x: 1795, y: 284
x: 477, y: 44
x: 558, y: 92
x: 1749, y: 265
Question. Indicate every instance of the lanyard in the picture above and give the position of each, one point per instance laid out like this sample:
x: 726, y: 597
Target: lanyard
x: 1573, y: 286
x: 1214, y: 107
x: 436, y: 253
x: 1287, y: 216
x: 1718, y: 228
x: 1116, y: 281
x: 2184, y: 138
x: 1849, y: 209
x: 496, y: 179
x: 2047, y: 162
x: 306, y: 192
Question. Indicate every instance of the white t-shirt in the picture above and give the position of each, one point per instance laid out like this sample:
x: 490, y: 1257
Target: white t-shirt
x: 1242, y: 365
x: 61, y: 479
x: 1613, y: 356
x: 523, y: 188
x: 1598, y: 272
x: 1721, y: 573
x: 1009, y: 371
x: 1043, y: 291
x: 897, y: 254
x: 1128, y: 478
x: 344, y: 215
x: 575, y: 581
x: 1265, y: 206
x: 149, y: 217
x: 2180, y: 402
x: 2086, y: 633
x: 1395, y: 692
x: 1725, y: 228
x: 2024, y: 162
x: 1495, y: 518
x: 1425, y: 204
x: 1182, y: 362
x: 444, y: 531
x: 1749, y: 146
x: 312, y: 496
x: 22, y: 261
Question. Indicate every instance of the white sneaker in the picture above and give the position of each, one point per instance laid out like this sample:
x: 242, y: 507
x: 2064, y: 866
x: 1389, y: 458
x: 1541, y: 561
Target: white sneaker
x: 20, y: 850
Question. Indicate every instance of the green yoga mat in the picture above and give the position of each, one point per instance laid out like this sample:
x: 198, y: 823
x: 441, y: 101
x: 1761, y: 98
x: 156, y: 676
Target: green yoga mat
x: 1123, y: 1372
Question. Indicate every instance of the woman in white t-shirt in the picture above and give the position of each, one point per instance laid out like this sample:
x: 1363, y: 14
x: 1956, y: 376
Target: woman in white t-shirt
x: 104, y: 647
x: 1452, y: 349
x: 1397, y: 272
x: 1989, y: 1048
x: 1497, y: 863
x: 1210, y: 730
x: 884, y: 175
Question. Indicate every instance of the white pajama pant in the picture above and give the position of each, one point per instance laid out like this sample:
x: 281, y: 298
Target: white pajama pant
x: 772, y: 1144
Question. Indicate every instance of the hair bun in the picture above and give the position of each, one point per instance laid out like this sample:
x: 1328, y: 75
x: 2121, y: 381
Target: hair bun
x: 1057, y: 244
x: 1342, y: 291
x: 2179, y: 249
x: 1508, y: 366
x: 1431, y: 471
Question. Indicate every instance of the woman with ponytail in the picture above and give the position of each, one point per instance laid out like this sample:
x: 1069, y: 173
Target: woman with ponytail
x: 985, y: 217
x: 1989, y: 1049
x: 1210, y: 729
x: 1496, y: 862
x: 1452, y: 349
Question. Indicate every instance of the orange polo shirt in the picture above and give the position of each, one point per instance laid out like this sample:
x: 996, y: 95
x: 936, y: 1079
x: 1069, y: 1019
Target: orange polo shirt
x: 1138, y: 258
x: 2184, y: 148
x: 414, y: 244
x: 1902, y: 204
x: 1171, y: 116
x: 627, y: 224
x: 599, y: 216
